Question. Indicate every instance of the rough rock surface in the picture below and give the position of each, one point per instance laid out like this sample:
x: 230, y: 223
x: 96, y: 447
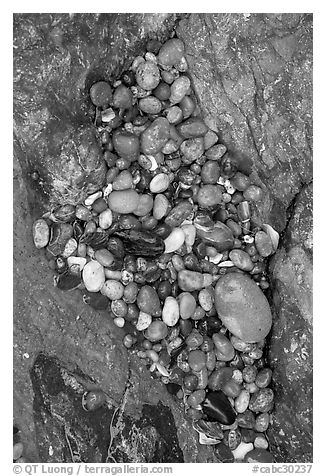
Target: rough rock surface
x: 291, y: 341
x: 253, y: 78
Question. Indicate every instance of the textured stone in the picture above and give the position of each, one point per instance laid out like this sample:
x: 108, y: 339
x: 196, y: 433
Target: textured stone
x: 291, y: 339
x: 253, y: 78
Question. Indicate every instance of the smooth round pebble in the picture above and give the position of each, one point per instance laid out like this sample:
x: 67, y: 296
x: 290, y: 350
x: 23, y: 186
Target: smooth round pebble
x: 124, y: 201
x: 242, y: 307
x: 41, y: 233
x: 112, y: 289
x: 93, y: 276
x: 170, y: 311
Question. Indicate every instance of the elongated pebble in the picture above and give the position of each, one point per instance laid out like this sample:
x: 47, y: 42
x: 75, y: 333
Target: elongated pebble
x: 170, y: 312
x: 41, y: 233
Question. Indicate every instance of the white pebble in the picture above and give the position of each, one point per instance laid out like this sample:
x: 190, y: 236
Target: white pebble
x: 216, y: 259
x: 190, y: 234
x: 76, y: 260
x: 242, y: 401
x: 105, y: 219
x: 175, y: 239
x: 159, y: 183
x: 261, y: 442
x: 93, y: 276
x: 144, y: 321
x: 240, y: 452
x: 119, y: 321
x: 70, y: 247
x: 91, y: 198
x: 170, y: 312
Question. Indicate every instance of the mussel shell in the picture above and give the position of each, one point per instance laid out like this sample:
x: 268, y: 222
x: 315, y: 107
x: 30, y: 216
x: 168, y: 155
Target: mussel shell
x: 141, y: 243
x: 218, y: 408
x: 212, y: 429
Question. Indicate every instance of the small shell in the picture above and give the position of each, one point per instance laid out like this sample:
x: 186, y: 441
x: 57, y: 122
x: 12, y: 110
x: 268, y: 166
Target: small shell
x: 91, y: 198
x: 162, y: 370
x: 216, y: 259
x: 204, y: 440
x: 76, y: 260
x: 274, y: 236
x: 174, y: 240
x: 226, y: 264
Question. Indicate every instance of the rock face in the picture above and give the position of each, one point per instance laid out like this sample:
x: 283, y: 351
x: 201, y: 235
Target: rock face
x: 291, y: 342
x: 253, y: 78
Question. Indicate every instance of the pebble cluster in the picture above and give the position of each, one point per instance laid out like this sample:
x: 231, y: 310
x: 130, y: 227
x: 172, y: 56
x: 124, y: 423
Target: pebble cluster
x: 167, y: 248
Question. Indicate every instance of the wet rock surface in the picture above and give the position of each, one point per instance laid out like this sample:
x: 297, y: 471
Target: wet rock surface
x: 291, y: 341
x: 259, y: 102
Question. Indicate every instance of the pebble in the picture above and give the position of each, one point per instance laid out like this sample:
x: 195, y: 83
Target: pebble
x: 192, y: 127
x: 123, y: 181
x: 93, y: 276
x: 144, y: 321
x: 190, y: 280
x: 187, y: 305
x: 259, y: 455
x: 101, y: 93
x: 219, y: 236
x: 92, y: 198
x: 112, y: 289
x: 174, y: 241
x: 105, y: 219
x: 145, y: 205
x: 261, y: 442
x: 196, y: 360
x: 147, y: 75
x: 119, y: 321
x: 263, y: 244
x: 104, y: 257
x: 179, y: 89
x: 155, y: 136
x: 76, y: 260
x: 18, y: 450
x: 170, y: 312
x: 124, y: 201
x: 156, y: 331
x: 192, y: 149
x: 240, y: 452
x: 171, y: 52
x: 263, y: 378
x: 242, y: 307
x: 241, y: 260
x: 262, y: 422
x: 206, y: 299
x: 178, y: 214
x: 224, y: 350
x: 70, y: 247
x: 241, y: 403
x: 262, y: 401
x: 126, y: 144
x: 159, y: 183
x: 150, y: 105
x: 148, y: 301
x: 41, y: 233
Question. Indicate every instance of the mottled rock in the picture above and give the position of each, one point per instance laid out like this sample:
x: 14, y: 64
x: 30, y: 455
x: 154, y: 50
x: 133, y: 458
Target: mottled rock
x: 291, y: 340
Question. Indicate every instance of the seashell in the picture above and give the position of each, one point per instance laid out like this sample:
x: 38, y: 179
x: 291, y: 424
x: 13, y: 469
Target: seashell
x: 93, y: 400
x: 226, y: 264
x: 204, y: 440
x: 174, y: 240
x: 212, y: 429
x: 91, y: 198
x: 274, y: 236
